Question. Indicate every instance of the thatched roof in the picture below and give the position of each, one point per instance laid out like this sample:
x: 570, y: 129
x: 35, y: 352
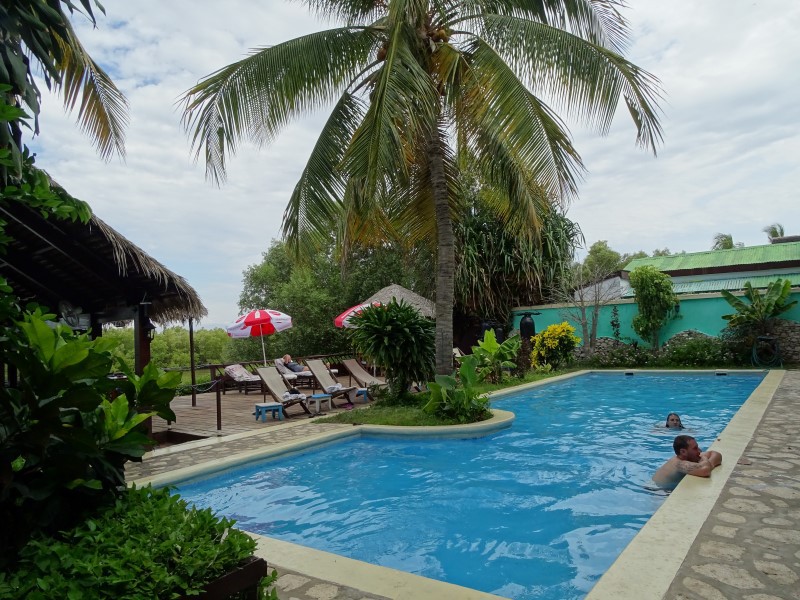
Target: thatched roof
x: 425, y: 307
x: 92, y: 266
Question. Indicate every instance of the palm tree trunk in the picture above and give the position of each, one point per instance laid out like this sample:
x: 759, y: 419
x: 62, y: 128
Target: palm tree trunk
x: 445, y: 264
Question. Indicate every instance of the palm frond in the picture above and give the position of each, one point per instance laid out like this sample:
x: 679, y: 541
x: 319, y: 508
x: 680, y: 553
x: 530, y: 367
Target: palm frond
x: 403, y: 104
x: 316, y: 203
x: 256, y: 97
x: 585, y: 79
x: 597, y: 21
x: 504, y: 120
x: 103, y: 112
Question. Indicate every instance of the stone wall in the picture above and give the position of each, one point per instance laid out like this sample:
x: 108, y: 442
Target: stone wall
x: 788, y: 334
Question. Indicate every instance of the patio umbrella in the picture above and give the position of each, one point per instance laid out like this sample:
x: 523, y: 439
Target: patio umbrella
x: 343, y: 320
x: 258, y: 323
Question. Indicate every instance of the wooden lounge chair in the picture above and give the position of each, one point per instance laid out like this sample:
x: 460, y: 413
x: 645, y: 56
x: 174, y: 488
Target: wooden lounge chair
x: 276, y: 387
x: 329, y: 385
x: 242, y: 378
x: 361, y: 376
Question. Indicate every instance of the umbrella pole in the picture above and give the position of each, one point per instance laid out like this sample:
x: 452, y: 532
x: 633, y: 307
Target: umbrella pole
x: 263, y: 352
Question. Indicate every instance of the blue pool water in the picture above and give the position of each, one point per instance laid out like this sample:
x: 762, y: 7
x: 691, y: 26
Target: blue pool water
x: 537, y: 511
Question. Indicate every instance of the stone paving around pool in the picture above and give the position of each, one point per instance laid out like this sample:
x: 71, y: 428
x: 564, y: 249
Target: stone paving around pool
x: 748, y: 549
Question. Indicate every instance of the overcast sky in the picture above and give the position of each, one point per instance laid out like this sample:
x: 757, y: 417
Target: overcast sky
x: 730, y: 71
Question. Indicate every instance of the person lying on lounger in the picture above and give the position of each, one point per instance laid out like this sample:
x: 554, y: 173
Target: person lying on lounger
x: 688, y: 460
x: 293, y: 366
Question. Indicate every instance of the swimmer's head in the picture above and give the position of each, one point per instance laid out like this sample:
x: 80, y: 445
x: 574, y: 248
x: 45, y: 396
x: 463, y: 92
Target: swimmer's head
x: 673, y: 421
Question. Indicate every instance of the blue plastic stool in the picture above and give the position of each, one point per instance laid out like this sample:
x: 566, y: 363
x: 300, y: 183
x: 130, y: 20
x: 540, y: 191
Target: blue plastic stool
x: 262, y: 408
x: 319, y: 399
x: 362, y: 393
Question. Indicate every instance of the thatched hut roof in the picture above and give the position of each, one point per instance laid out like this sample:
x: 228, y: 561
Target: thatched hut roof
x: 385, y: 295
x: 92, y: 266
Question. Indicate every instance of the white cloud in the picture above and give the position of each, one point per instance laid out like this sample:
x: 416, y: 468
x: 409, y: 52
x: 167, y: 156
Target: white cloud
x: 729, y: 71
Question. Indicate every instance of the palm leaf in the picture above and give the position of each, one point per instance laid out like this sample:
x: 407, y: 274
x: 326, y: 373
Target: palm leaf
x: 316, y: 202
x: 256, y: 97
x: 585, y: 79
x: 103, y: 108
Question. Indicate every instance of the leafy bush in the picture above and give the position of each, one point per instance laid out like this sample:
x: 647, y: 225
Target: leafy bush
x: 148, y: 544
x: 697, y: 352
x: 493, y: 357
x: 398, y: 339
x: 63, y: 440
x: 554, y: 345
x: 623, y: 356
x: 457, y: 398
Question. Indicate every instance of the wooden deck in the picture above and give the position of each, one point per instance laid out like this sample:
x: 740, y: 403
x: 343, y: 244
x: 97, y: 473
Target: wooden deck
x: 236, y: 414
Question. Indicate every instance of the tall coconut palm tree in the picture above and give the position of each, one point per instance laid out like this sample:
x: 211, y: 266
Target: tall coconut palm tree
x: 774, y: 231
x: 38, y: 33
x: 421, y: 87
x: 724, y: 241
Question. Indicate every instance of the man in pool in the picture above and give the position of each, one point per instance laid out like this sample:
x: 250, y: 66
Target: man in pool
x: 688, y: 460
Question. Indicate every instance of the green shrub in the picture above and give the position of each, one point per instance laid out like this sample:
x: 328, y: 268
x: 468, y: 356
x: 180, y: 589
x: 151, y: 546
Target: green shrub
x: 493, y: 358
x: 697, y: 352
x: 458, y: 399
x: 623, y: 356
x: 148, y: 544
x: 398, y: 339
x: 63, y: 440
x: 554, y: 345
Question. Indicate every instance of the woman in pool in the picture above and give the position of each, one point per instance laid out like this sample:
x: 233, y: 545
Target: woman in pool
x: 673, y: 421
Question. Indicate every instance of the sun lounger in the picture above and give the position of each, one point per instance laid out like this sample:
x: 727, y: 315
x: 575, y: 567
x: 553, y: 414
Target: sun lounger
x: 298, y: 379
x: 242, y: 378
x: 276, y: 387
x: 361, y: 376
x: 330, y: 386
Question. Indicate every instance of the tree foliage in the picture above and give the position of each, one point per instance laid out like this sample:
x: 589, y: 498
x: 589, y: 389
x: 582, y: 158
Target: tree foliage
x: 419, y: 90
x: 497, y: 269
x: 724, y: 241
x: 656, y: 301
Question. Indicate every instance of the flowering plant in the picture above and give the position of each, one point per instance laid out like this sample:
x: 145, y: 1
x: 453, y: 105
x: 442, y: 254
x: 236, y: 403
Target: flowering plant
x: 554, y: 345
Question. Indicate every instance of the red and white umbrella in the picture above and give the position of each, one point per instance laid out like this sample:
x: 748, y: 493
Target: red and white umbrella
x: 258, y: 323
x: 343, y: 320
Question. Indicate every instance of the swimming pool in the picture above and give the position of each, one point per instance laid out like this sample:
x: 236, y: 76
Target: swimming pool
x: 539, y: 510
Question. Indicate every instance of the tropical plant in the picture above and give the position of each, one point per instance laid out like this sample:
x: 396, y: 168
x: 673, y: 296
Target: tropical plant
x: 493, y: 358
x: 420, y: 89
x: 146, y: 544
x: 656, y: 300
x: 773, y: 231
x: 554, y: 346
x: 38, y: 33
x: 63, y: 440
x: 724, y: 241
x: 397, y: 339
x: 761, y: 310
x: 457, y: 398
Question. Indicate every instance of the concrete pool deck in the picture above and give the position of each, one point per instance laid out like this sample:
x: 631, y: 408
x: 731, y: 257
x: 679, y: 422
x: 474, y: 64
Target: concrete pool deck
x: 733, y: 536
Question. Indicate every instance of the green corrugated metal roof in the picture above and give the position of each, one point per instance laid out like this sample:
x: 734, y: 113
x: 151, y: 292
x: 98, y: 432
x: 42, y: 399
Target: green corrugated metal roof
x: 732, y: 284
x: 751, y: 255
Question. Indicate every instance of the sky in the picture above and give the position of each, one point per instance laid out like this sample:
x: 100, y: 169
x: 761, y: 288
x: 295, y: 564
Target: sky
x: 730, y: 78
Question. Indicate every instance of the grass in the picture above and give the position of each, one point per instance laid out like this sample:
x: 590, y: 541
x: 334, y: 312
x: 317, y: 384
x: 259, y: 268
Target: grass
x: 382, y: 413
